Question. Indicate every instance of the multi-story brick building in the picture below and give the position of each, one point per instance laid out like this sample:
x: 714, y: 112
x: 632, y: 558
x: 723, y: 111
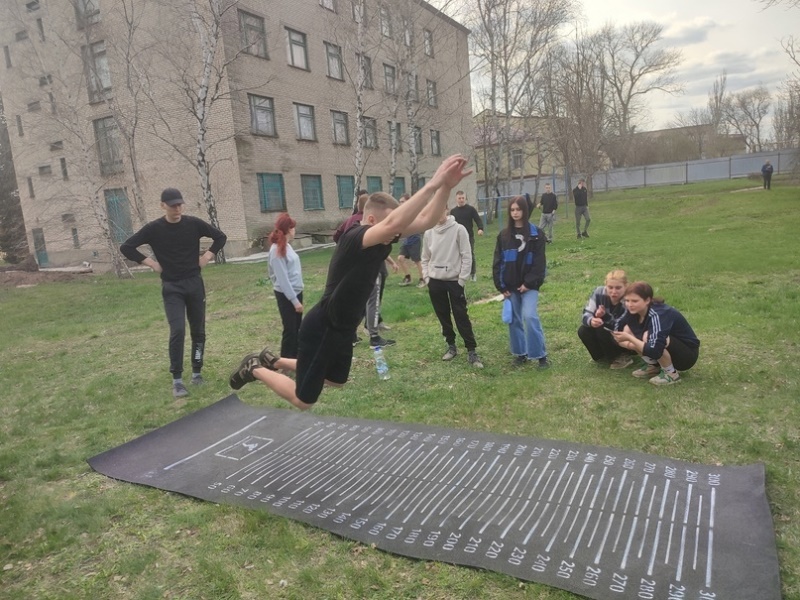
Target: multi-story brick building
x: 100, y: 95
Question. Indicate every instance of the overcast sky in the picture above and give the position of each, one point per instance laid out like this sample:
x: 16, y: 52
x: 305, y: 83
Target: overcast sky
x: 738, y: 35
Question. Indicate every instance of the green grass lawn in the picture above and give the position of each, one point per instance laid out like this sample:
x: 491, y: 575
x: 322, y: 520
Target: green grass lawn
x: 84, y: 369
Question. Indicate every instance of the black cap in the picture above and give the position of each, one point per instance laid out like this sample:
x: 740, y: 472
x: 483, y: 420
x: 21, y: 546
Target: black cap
x: 171, y: 197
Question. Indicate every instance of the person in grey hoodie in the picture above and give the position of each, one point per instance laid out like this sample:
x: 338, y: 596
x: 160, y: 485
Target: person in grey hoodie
x: 446, y: 265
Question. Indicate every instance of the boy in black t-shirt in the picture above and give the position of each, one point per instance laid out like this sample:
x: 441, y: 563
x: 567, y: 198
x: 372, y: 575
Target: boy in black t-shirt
x: 325, y: 348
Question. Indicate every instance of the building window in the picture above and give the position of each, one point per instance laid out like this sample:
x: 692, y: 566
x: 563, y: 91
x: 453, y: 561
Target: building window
x: 436, y: 148
x: 21, y: 35
x: 296, y: 49
x: 271, y: 194
x: 31, y: 192
x: 262, y: 115
x: 304, y: 116
x: 398, y: 187
x: 395, y: 137
x: 45, y: 170
x: 119, y: 214
x: 108, y: 146
x: 416, y: 133
x: 329, y: 4
x: 32, y: 6
x: 252, y: 34
x: 59, y: 145
x: 517, y: 159
x: 428, y: 41
x: 412, y: 87
x: 432, y: 101
x: 20, y: 130
x: 341, y: 131
x: 40, y: 27
x: 64, y: 173
x: 346, y: 189
x: 374, y: 184
x: 312, y: 192
x: 389, y: 81
x: 334, y: 57
x: 370, y: 133
x: 87, y: 12
x: 359, y: 10
x: 386, y: 22
x: 408, y: 32
x: 98, y: 75
x: 35, y: 106
x: 7, y: 53
x: 365, y: 64
x: 76, y: 243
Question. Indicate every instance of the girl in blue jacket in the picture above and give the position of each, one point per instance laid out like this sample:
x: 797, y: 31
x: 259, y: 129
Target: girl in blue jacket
x: 659, y: 333
x: 519, y: 269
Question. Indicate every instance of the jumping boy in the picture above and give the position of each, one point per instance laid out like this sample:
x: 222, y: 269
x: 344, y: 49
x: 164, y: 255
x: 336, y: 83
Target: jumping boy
x: 325, y: 348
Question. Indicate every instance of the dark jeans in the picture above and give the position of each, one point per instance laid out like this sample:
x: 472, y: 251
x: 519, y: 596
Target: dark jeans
x: 599, y: 343
x: 447, y: 296
x: 291, y: 320
x: 185, y: 299
x: 768, y: 181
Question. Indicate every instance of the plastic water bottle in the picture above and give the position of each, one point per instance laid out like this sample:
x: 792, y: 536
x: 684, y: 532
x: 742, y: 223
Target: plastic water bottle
x: 380, y: 363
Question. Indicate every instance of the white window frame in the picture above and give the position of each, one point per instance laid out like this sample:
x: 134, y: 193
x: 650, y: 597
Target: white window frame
x: 262, y: 115
x: 297, y: 48
x: 304, y: 120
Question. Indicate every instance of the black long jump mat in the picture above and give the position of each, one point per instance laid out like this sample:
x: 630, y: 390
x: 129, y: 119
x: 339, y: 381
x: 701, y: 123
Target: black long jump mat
x: 600, y: 522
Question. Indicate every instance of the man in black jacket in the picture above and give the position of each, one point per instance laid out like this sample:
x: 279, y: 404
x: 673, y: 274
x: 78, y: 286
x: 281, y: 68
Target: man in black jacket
x: 175, y: 242
x: 581, y: 196
x: 549, y: 206
x: 466, y: 215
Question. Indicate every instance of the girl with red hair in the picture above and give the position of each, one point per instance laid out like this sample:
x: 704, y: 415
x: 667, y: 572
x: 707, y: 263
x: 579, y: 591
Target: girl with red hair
x: 287, y: 281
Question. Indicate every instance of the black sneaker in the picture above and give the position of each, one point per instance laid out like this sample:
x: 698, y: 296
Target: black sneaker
x: 520, y: 360
x: 584, y: 234
x: 406, y: 280
x: 544, y: 363
x: 244, y: 373
x: 474, y: 359
x: 579, y: 236
x: 268, y: 359
x: 179, y: 390
x: 356, y: 340
x: 198, y: 380
x: 451, y: 353
x: 379, y: 341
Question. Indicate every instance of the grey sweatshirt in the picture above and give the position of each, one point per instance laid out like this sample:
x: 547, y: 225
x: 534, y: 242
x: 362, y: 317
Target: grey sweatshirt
x: 446, y: 253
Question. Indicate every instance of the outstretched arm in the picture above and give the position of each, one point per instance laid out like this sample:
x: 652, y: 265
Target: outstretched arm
x: 418, y: 214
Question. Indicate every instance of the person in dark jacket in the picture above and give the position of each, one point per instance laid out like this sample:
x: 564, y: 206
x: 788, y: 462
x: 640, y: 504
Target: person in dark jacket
x: 175, y: 242
x: 466, y: 215
x: 659, y: 333
x: 766, y: 173
x: 519, y: 270
x: 581, y: 196
x: 600, y: 315
x: 549, y: 206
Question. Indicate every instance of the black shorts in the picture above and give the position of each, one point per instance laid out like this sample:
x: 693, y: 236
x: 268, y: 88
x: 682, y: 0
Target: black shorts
x: 412, y: 251
x: 683, y: 357
x: 323, y: 354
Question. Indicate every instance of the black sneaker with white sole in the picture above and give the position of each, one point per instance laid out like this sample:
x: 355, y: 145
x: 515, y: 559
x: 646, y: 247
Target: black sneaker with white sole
x: 244, y: 373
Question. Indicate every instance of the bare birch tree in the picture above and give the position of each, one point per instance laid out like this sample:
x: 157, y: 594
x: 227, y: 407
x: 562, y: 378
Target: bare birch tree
x: 745, y: 113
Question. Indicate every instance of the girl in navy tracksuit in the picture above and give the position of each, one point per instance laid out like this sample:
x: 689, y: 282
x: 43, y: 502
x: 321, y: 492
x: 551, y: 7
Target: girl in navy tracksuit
x: 519, y: 269
x: 659, y: 333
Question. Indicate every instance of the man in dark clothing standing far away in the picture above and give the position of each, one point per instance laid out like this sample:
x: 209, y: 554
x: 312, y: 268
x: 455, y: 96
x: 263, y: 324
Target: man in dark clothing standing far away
x: 325, y: 348
x: 581, y: 196
x: 549, y: 206
x: 766, y: 173
x: 466, y: 215
x: 175, y: 241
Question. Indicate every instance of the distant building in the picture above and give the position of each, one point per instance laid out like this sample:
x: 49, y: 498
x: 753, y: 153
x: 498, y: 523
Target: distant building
x: 282, y: 137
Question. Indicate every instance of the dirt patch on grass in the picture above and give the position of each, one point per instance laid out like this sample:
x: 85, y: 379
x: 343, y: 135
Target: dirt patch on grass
x: 10, y: 278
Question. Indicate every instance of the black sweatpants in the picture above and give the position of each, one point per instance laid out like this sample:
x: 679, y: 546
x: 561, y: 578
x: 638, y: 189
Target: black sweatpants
x: 291, y: 320
x: 599, y: 343
x: 185, y: 299
x: 447, y: 296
